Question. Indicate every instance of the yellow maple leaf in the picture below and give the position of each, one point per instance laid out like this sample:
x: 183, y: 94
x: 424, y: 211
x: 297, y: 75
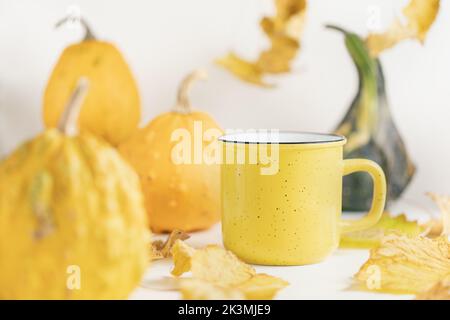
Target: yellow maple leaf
x: 371, y: 237
x: 404, y: 264
x: 283, y: 30
x: 217, y: 273
x: 261, y: 287
x: 198, y: 289
x: 420, y: 15
x: 219, y: 266
x: 182, y: 254
x: 245, y: 70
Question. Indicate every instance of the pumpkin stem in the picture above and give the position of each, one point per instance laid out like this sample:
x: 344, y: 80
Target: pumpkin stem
x: 87, y: 29
x: 68, y: 122
x: 183, y: 104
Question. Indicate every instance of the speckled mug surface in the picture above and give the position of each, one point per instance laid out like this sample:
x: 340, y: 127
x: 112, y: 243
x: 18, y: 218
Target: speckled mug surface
x: 291, y: 216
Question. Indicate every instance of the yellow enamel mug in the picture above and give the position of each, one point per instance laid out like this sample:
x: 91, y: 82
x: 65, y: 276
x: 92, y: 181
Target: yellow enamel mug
x: 282, y: 194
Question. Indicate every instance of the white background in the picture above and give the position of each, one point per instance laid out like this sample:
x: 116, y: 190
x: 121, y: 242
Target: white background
x: 163, y: 40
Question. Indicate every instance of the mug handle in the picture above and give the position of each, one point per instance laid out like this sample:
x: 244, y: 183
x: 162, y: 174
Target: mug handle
x: 379, y: 194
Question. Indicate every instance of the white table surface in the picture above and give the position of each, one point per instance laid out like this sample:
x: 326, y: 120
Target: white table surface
x: 330, y: 279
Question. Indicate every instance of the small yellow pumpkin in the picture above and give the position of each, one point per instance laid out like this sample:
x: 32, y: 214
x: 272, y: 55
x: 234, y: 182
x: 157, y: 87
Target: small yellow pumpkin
x: 72, y: 218
x: 112, y: 108
x: 184, y: 195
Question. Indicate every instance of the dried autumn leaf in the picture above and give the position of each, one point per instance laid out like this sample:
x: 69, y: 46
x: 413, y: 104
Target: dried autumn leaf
x: 243, y: 69
x: 420, y: 15
x: 371, y: 237
x: 197, y: 289
x: 212, y: 264
x: 288, y: 8
x: 283, y: 30
x: 439, y: 291
x: 442, y: 225
x: 161, y: 249
x: 262, y: 287
x: 219, y: 266
x: 182, y: 254
x: 403, y: 264
x: 277, y: 59
x: 217, y: 273
x: 259, y: 287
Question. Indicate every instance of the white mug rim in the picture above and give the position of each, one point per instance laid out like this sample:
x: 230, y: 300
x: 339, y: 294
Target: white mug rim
x: 267, y: 137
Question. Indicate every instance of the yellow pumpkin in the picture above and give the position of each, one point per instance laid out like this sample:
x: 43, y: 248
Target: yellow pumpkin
x: 185, y: 195
x: 112, y: 108
x: 72, y: 218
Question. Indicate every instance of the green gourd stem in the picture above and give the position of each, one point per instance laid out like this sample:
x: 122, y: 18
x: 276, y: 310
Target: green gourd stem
x: 183, y: 104
x: 366, y: 121
x: 88, y: 35
x: 68, y: 122
x: 367, y: 68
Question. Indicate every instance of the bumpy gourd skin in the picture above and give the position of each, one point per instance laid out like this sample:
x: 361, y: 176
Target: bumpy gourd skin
x: 112, y: 107
x: 70, y: 201
x: 177, y: 196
